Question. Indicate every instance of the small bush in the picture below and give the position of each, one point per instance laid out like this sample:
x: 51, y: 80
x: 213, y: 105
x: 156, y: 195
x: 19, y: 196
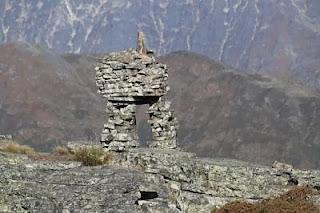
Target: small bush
x: 14, y: 147
x: 60, y: 150
x: 294, y: 201
x: 92, y: 156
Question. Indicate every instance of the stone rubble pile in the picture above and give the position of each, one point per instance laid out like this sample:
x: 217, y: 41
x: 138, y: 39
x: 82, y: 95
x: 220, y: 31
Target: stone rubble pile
x: 127, y: 79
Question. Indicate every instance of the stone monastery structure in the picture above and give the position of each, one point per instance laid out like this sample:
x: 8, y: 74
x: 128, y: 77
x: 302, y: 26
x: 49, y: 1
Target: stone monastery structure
x: 127, y: 79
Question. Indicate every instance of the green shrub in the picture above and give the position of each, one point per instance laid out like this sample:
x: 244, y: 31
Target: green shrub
x: 92, y: 156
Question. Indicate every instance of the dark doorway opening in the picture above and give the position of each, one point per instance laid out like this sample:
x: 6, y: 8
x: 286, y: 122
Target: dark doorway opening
x: 143, y: 127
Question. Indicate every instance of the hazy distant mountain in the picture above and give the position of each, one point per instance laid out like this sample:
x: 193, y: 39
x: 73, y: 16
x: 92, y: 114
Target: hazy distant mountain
x: 281, y: 37
x: 47, y: 99
x: 226, y: 113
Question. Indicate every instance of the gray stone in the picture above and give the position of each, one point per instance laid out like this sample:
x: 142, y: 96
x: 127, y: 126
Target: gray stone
x: 76, y: 145
x: 27, y: 185
x: 201, y: 184
x: 127, y: 79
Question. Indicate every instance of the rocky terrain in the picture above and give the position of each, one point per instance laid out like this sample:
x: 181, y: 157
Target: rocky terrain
x: 143, y: 180
x: 275, y: 36
x: 49, y: 99
x: 30, y: 186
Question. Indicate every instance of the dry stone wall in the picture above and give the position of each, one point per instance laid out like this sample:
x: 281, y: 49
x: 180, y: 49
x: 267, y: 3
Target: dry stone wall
x: 127, y: 79
x: 163, y: 126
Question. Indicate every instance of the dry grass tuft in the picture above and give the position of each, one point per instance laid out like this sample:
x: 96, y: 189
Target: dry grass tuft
x: 92, y: 156
x: 14, y: 147
x: 60, y: 150
x: 88, y: 156
x: 172, y: 198
x: 294, y: 201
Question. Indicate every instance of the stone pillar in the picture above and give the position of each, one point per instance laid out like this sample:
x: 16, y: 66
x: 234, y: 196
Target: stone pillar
x: 120, y: 131
x: 163, y: 125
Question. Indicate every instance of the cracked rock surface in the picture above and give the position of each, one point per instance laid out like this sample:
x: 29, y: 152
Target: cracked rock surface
x: 27, y: 185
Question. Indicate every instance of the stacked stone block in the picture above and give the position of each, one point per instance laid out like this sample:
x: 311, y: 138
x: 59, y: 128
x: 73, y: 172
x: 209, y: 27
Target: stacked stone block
x: 127, y: 79
x: 124, y: 75
x: 120, y: 131
x: 163, y: 125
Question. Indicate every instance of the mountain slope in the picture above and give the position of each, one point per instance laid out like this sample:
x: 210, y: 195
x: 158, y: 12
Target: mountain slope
x: 225, y: 113
x: 279, y: 37
x: 46, y: 100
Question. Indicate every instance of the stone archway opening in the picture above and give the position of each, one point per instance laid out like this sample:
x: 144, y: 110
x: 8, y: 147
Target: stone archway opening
x: 143, y: 127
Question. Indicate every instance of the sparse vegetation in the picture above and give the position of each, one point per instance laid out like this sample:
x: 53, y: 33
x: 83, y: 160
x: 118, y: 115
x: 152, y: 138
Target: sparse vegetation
x: 92, y: 156
x: 172, y: 198
x: 60, y: 150
x: 294, y: 201
x: 88, y: 156
x: 14, y: 147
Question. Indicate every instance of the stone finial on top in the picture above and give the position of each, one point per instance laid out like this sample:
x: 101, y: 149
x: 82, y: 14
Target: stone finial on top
x: 141, y: 45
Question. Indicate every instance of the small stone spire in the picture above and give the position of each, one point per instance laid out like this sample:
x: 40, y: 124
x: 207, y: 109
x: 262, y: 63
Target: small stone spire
x: 141, y: 45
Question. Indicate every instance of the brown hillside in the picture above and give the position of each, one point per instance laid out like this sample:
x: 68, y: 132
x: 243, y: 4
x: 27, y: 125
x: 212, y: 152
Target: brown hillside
x: 224, y: 113
x: 45, y: 99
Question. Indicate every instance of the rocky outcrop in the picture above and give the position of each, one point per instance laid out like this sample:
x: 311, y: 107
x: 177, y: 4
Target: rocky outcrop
x: 5, y: 137
x: 127, y: 79
x: 200, y: 184
x: 141, y: 180
x: 27, y: 185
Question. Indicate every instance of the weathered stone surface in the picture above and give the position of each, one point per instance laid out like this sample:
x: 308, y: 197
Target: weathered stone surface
x: 201, y: 184
x: 120, y: 131
x: 156, y: 180
x: 164, y: 126
x: 31, y: 186
x: 76, y: 145
x: 131, y: 78
x: 5, y: 137
x: 130, y: 74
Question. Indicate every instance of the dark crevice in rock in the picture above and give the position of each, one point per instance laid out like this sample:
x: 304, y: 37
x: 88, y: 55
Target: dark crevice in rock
x: 145, y: 195
x: 193, y: 191
x: 148, y: 195
x: 166, y: 177
x: 293, y: 181
x: 317, y: 187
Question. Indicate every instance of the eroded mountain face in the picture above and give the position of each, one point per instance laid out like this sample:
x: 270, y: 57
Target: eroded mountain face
x: 275, y: 36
